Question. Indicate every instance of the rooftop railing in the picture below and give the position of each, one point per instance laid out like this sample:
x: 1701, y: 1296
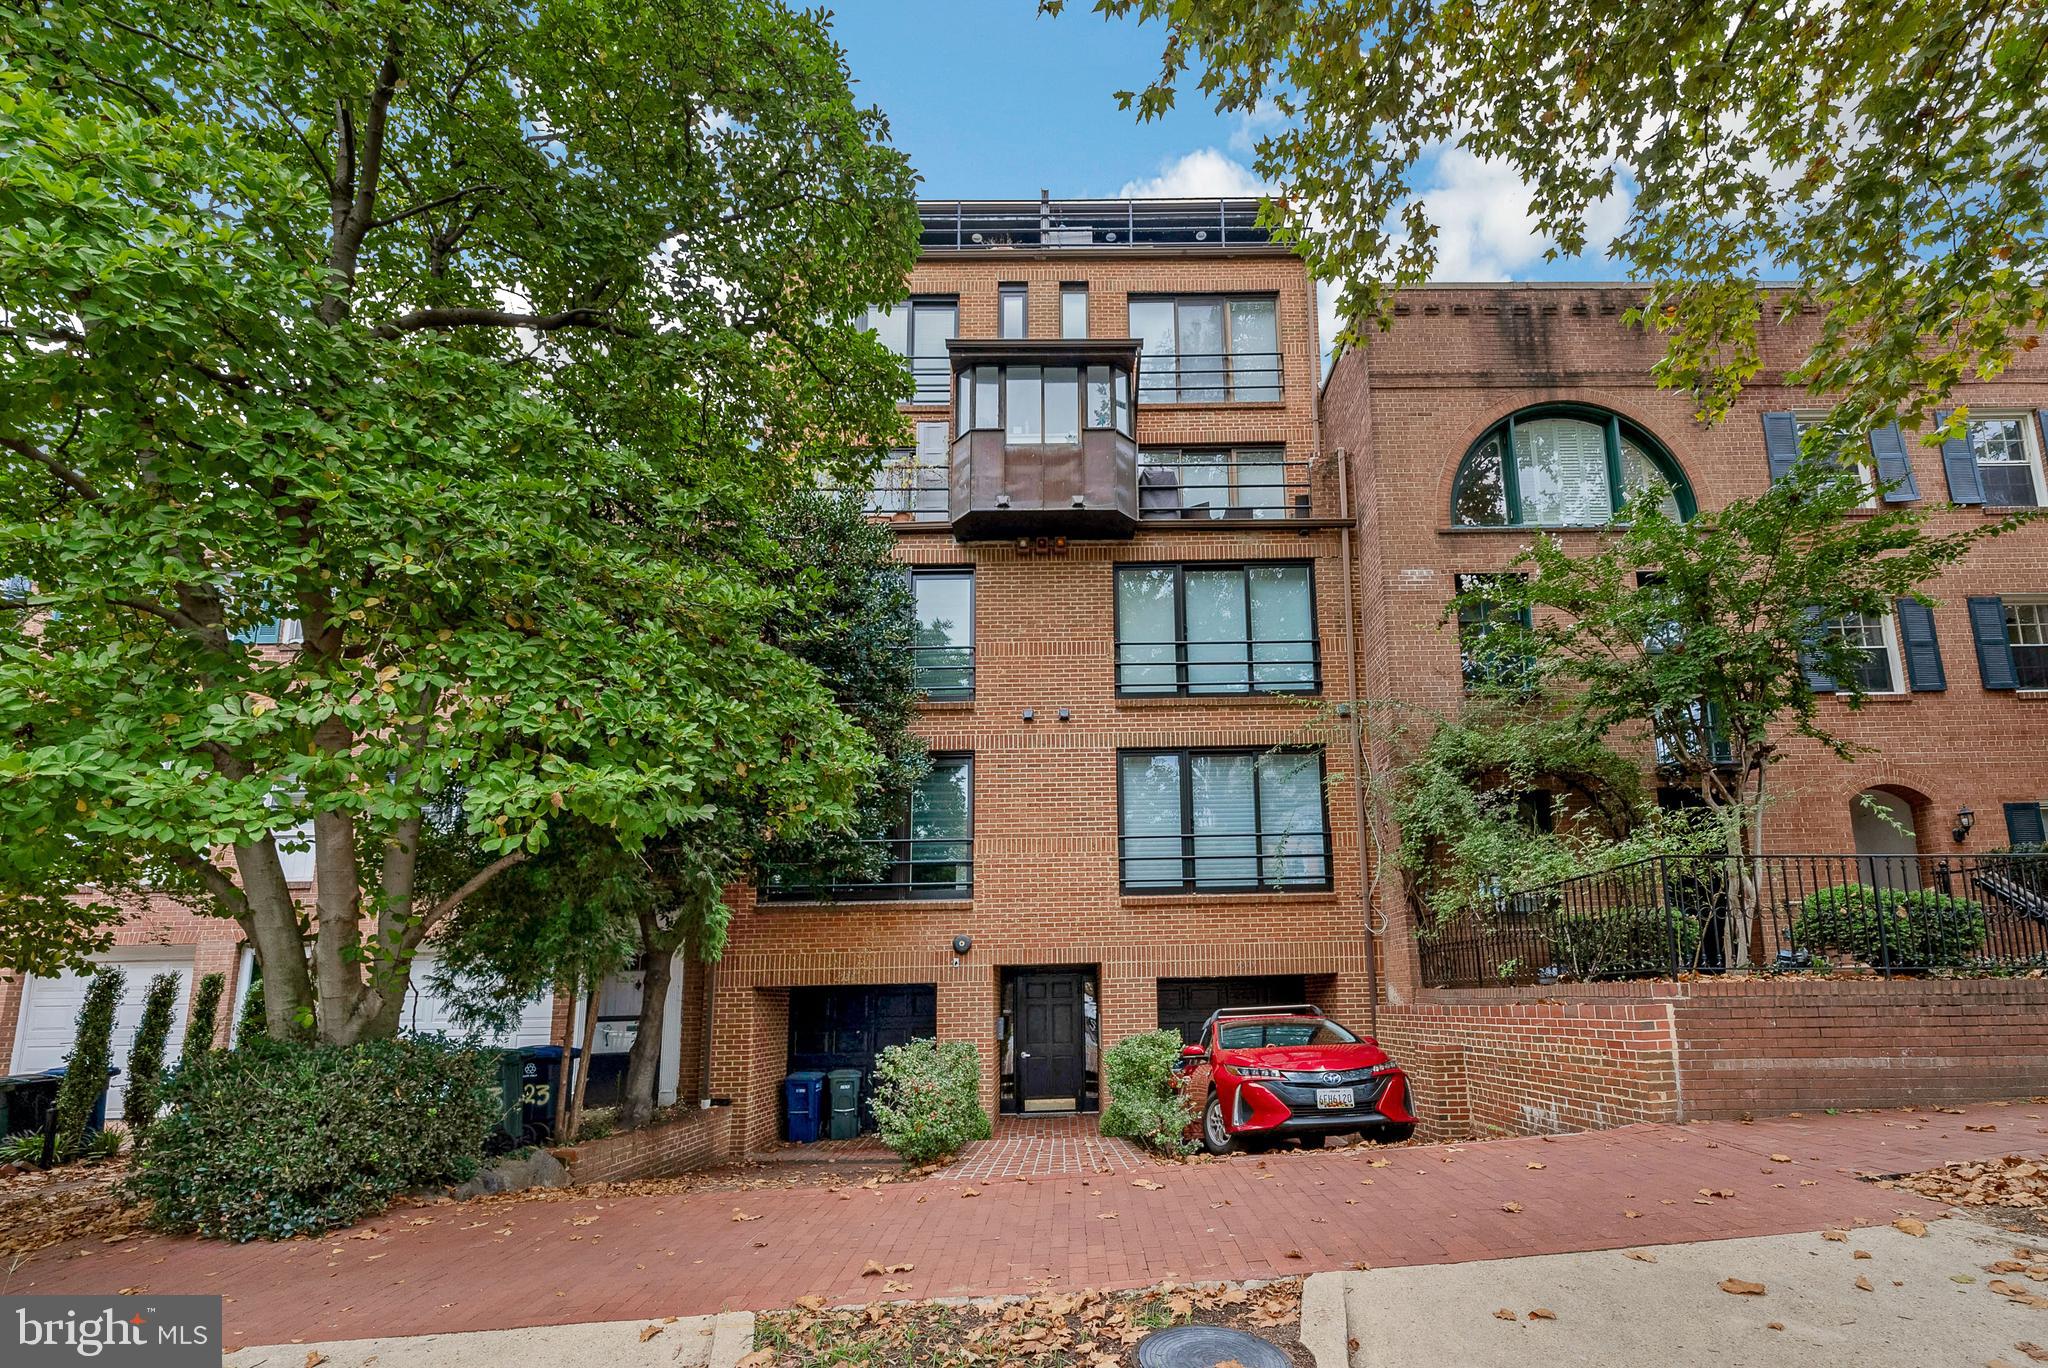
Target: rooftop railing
x: 978, y: 225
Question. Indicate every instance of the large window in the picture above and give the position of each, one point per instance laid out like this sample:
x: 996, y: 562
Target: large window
x: 1877, y: 648
x: 1488, y: 657
x: 914, y: 480
x: 1563, y: 467
x: 945, y: 633
x: 2008, y: 457
x: 1222, y: 821
x: 1044, y: 405
x: 1206, y: 349
x: 927, y: 851
x: 1219, y: 482
x: 1216, y: 629
x: 918, y: 330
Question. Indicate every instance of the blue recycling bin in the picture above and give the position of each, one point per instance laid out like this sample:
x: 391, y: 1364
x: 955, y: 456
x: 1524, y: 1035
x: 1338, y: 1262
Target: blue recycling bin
x: 803, y: 1105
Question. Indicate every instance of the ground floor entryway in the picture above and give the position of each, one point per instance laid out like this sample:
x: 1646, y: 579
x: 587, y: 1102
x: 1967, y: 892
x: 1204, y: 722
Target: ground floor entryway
x: 1050, y: 1040
x: 1184, y: 1004
x: 846, y: 1026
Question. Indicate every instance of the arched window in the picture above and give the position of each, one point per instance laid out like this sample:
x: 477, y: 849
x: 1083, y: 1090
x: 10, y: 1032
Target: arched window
x: 1563, y: 466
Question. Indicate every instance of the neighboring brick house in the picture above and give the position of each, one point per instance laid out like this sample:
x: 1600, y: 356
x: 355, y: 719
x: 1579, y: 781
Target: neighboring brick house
x: 1487, y: 411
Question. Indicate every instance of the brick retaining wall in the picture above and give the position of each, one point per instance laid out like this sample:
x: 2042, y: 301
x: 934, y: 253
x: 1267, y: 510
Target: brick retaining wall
x: 691, y: 1140
x: 1494, y: 1061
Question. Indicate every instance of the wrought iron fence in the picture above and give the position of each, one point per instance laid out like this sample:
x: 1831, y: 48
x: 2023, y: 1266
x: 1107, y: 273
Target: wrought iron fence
x: 915, y: 867
x: 1676, y: 915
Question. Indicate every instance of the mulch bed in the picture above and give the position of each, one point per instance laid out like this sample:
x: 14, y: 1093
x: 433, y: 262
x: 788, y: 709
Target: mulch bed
x: 1055, y: 1330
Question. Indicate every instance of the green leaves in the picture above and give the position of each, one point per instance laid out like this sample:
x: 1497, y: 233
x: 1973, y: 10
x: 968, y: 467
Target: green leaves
x: 1888, y: 157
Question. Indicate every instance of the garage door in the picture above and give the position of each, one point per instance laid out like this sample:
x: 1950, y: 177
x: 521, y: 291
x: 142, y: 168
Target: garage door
x: 49, y: 1013
x: 1184, y: 1004
x: 428, y: 1011
x: 845, y: 1028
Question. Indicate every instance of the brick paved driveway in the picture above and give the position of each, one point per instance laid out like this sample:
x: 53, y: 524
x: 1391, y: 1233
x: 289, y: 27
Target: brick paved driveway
x: 486, y: 1265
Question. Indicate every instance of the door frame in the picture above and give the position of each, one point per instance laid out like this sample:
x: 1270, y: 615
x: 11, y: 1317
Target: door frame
x: 1011, y: 1081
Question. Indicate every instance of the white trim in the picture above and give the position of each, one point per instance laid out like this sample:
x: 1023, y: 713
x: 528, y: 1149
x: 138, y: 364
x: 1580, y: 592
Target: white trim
x: 669, y: 1069
x: 2030, y: 442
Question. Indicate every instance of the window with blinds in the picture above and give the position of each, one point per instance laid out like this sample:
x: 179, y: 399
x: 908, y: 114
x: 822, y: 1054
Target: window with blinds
x: 1213, y: 629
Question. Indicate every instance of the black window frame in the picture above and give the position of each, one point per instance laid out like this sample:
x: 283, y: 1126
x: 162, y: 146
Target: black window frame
x: 936, y: 388
x: 1472, y: 679
x: 1188, y: 887
x: 1069, y: 290
x: 1182, y: 688
x: 1005, y: 292
x: 1226, y: 378
x: 919, y: 669
x: 901, y: 884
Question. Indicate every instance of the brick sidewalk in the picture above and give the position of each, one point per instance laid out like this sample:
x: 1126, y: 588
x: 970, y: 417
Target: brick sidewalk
x: 492, y: 1265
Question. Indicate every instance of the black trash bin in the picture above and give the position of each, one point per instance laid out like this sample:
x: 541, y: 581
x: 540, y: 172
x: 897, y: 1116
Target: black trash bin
x: 842, y: 1090
x: 26, y: 1101
x: 529, y: 1081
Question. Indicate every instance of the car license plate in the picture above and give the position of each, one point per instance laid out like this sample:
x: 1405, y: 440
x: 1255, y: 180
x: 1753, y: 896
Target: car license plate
x: 1332, y: 1099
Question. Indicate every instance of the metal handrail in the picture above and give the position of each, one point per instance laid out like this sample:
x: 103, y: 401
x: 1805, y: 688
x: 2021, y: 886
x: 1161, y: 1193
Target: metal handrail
x: 1210, y: 377
x: 1253, y: 485
x: 1247, y: 666
x: 1191, y: 858
x: 909, y: 855
x: 982, y: 225
x: 956, y: 664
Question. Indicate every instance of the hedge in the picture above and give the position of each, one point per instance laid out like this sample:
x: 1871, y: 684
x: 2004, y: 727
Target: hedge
x: 927, y: 1098
x: 1144, y: 1106
x: 1920, y: 928
x: 275, y: 1139
x: 85, y: 1072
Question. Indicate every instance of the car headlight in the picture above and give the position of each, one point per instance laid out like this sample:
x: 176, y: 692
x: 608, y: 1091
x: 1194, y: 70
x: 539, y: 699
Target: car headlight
x: 1250, y: 1071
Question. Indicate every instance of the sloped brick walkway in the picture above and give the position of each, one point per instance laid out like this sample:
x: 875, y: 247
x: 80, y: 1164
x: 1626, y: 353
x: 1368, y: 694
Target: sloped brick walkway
x: 492, y: 1263
x: 1046, y: 1147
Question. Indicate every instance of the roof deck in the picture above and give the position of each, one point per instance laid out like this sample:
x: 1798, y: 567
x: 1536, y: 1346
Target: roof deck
x: 1047, y: 224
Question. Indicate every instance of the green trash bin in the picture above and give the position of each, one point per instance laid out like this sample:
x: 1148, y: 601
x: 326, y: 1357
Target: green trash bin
x: 842, y: 1087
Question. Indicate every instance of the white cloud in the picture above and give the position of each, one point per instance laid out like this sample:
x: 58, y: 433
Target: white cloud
x: 1484, y: 230
x: 1254, y: 124
x: 1205, y: 172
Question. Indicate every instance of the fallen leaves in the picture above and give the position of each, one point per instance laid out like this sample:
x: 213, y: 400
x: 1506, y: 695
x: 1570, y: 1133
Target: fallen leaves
x: 1863, y: 1284
x: 738, y: 1215
x: 1511, y: 1207
x: 1741, y: 1287
x: 314, y: 1358
x: 1534, y: 1165
x: 880, y: 1270
x: 2014, y: 1181
x: 1543, y: 1313
x: 1505, y: 1314
x: 1639, y: 1255
x: 1912, y: 1225
x: 1147, y: 1184
x: 1781, y: 1158
x: 648, y: 1332
x: 1838, y: 1236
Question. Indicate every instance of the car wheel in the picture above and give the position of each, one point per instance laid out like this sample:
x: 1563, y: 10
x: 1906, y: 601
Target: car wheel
x: 1215, y: 1138
x: 1392, y: 1134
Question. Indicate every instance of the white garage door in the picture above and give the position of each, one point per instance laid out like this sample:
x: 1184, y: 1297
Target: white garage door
x: 49, y: 1013
x: 426, y: 1010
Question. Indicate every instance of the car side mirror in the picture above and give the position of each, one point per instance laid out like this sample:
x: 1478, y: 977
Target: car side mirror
x: 1191, y: 1055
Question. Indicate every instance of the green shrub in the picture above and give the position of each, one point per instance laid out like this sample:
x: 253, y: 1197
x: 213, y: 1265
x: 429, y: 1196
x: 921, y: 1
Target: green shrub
x: 1138, y: 1072
x: 205, y: 1016
x: 1921, y: 928
x: 927, y: 1098
x: 249, y: 1026
x: 277, y: 1139
x: 22, y: 1147
x: 146, y: 1055
x: 85, y: 1072
x: 1623, y: 941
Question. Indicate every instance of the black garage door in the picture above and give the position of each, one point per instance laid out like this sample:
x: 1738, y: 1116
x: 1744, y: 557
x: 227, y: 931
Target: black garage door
x: 1184, y: 1004
x: 845, y: 1028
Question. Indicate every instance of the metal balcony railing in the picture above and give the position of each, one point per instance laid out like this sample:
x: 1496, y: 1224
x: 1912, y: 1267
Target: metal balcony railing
x: 985, y: 225
x: 944, y: 674
x: 1226, y: 484
x: 1672, y: 916
x: 1212, y: 665
x: 1224, y: 862
x: 915, y: 867
x: 1209, y: 377
x: 922, y: 491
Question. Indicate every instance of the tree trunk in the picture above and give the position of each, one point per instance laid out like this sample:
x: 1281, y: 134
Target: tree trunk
x: 583, y: 1063
x: 643, y: 1061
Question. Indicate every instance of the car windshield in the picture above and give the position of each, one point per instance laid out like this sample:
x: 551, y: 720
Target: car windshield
x: 1253, y: 1035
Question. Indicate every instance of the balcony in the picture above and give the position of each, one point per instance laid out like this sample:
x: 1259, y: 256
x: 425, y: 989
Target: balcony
x: 1043, y: 442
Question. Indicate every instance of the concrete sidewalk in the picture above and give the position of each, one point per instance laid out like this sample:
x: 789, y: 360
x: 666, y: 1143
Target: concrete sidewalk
x: 1923, y: 1301
x: 587, y: 1257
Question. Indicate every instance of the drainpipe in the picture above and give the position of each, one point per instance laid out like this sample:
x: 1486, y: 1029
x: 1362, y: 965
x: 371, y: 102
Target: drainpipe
x: 710, y: 1020
x: 1347, y: 532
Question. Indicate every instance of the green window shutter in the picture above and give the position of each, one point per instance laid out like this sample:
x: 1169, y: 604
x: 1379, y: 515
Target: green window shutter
x: 1918, y: 644
x: 1965, y: 486
x: 2025, y: 825
x: 1894, y: 467
x: 1994, y: 652
x: 1781, y: 443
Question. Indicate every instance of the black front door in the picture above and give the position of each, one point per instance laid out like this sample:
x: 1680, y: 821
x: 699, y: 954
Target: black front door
x: 1050, y: 1058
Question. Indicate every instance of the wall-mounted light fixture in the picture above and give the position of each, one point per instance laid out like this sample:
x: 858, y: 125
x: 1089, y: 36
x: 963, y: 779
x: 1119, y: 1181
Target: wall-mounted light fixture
x: 962, y: 944
x: 1029, y: 714
x: 1966, y: 820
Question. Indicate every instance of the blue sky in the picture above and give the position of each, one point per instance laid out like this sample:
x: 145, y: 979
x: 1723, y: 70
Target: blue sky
x: 992, y: 102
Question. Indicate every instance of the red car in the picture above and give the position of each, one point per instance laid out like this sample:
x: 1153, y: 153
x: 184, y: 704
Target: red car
x: 1266, y: 1073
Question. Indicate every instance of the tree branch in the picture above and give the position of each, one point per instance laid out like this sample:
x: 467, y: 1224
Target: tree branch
x: 451, y: 197
x: 471, y: 885
x: 422, y: 320
x: 78, y: 484
x: 216, y: 880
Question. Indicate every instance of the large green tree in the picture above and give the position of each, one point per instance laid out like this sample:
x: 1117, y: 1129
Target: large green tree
x: 1886, y: 154
x: 591, y: 904
x: 473, y: 337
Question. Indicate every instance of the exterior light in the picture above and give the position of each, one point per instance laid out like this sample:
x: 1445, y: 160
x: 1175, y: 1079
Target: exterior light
x: 1966, y: 820
x: 962, y: 944
x: 1029, y: 715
